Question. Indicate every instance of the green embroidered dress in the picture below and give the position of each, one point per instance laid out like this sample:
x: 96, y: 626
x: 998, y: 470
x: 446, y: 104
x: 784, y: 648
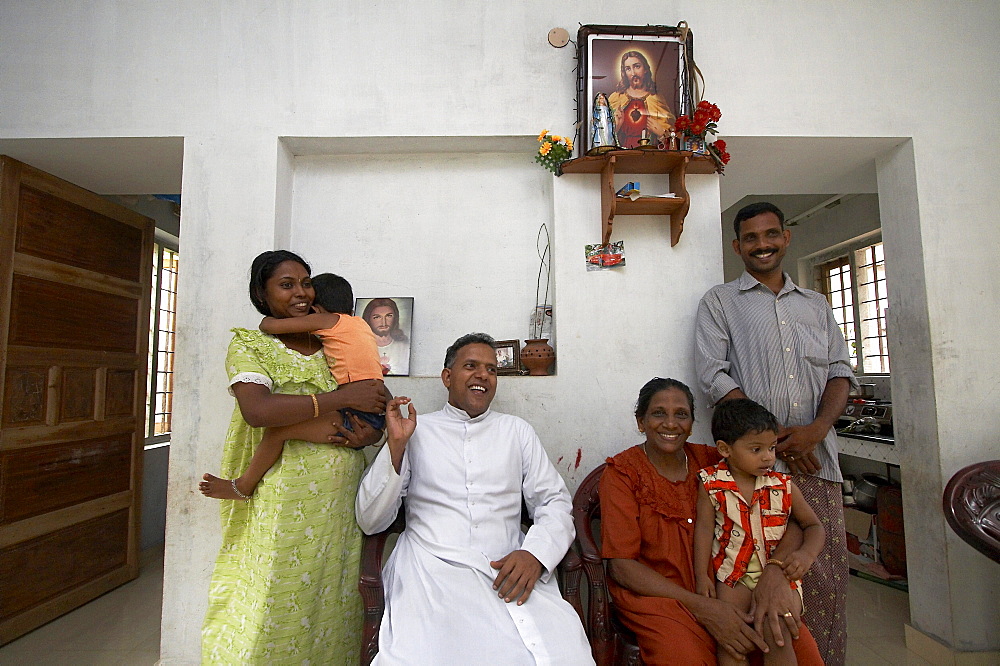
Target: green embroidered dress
x: 285, y: 586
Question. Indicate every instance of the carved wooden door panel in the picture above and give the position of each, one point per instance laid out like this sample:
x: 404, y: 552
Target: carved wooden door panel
x: 75, y: 277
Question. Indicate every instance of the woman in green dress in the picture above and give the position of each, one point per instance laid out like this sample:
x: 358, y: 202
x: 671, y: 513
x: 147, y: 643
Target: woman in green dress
x: 284, y: 590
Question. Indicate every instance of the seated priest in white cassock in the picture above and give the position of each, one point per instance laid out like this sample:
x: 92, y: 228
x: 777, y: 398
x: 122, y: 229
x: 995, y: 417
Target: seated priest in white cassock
x: 464, y: 585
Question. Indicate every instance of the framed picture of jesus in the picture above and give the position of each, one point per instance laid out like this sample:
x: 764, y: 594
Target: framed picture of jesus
x: 390, y: 319
x: 642, y: 75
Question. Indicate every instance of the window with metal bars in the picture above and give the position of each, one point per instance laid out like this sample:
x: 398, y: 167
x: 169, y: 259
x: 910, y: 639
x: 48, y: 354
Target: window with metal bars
x: 162, y: 327
x: 855, y: 286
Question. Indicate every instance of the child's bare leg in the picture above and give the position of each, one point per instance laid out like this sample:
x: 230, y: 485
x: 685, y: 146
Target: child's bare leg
x: 739, y: 596
x: 267, y: 453
x: 779, y: 655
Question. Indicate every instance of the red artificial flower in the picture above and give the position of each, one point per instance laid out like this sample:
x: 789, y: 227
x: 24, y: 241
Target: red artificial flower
x: 720, y: 145
x: 697, y: 129
x: 701, y: 116
x: 681, y: 123
x: 708, y: 110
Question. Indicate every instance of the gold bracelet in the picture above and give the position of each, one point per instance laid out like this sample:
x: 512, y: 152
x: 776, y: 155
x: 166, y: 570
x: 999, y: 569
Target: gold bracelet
x: 774, y: 561
x: 315, y: 405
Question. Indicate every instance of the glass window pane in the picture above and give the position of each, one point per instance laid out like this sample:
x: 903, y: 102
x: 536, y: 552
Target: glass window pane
x: 160, y: 363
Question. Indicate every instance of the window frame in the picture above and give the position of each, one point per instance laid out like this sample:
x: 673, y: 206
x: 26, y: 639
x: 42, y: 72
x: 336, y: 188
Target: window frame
x: 822, y: 284
x: 163, y: 243
x: 882, y: 339
x: 848, y: 249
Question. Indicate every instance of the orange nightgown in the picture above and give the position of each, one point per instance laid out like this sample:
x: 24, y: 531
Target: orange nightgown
x: 648, y: 518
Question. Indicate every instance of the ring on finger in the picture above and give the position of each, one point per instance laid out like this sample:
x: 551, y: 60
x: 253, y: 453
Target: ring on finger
x: 787, y: 614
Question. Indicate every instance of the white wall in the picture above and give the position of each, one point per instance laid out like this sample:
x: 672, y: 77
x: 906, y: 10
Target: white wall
x: 456, y: 231
x: 155, y: 462
x: 233, y: 79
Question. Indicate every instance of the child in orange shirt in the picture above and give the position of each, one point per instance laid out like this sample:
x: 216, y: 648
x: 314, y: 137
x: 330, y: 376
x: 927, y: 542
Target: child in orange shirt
x: 351, y: 352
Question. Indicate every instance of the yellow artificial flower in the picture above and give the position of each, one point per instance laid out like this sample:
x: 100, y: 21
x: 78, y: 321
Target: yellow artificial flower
x: 541, y: 137
x: 557, y: 138
x: 569, y: 143
x: 546, y: 147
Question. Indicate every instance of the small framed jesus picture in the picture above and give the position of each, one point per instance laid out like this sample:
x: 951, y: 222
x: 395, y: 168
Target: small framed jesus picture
x: 508, y: 357
x: 390, y: 320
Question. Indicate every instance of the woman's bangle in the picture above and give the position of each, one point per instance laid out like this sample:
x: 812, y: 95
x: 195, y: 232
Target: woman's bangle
x: 315, y: 405
x: 774, y: 561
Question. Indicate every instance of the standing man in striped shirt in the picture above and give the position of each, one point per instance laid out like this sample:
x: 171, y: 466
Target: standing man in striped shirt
x: 764, y: 338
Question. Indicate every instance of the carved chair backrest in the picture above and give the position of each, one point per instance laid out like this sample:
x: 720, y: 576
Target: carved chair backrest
x: 610, y: 642
x: 971, y: 505
x: 370, y: 585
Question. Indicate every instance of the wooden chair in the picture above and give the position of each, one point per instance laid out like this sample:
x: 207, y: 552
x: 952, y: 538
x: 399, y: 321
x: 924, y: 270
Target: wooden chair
x: 370, y: 586
x: 373, y: 594
x: 611, y: 642
x: 971, y: 505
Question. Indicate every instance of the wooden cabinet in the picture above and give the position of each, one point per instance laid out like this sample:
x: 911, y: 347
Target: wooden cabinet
x: 675, y: 163
x: 75, y: 285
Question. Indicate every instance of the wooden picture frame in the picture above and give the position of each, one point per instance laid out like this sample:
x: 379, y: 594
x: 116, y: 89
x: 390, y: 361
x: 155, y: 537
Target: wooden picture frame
x: 508, y: 357
x: 650, y: 102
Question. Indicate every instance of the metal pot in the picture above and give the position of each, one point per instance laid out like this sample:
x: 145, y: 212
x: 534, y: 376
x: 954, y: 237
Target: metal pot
x: 866, y: 491
x: 865, y: 391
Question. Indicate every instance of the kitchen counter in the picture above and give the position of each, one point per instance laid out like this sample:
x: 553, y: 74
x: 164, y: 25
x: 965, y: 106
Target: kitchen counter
x: 881, y: 439
x: 870, y: 447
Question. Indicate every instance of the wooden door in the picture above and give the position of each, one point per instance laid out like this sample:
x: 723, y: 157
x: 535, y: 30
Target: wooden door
x: 75, y: 277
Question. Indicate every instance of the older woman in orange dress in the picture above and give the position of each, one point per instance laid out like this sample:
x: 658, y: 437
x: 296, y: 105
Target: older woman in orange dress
x: 648, y: 497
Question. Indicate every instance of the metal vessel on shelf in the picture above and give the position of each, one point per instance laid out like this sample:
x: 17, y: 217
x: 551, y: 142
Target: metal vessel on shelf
x: 873, y: 417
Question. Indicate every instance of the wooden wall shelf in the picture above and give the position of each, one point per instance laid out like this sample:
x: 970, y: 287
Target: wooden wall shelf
x: 675, y: 163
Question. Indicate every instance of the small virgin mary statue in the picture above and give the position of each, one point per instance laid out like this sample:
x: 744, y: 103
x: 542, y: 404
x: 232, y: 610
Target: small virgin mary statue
x: 602, y: 137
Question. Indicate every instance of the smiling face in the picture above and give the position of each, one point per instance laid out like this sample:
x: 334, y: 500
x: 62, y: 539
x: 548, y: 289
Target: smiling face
x: 668, y: 420
x: 762, y: 244
x: 289, y: 291
x: 752, y: 454
x: 472, y: 379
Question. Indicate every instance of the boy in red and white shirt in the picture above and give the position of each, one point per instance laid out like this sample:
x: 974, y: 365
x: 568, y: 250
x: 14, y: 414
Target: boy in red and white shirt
x: 743, y: 508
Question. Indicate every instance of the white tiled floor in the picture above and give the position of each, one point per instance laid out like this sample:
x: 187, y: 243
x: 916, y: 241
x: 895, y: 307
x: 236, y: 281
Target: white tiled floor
x: 122, y: 628
x: 875, y: 618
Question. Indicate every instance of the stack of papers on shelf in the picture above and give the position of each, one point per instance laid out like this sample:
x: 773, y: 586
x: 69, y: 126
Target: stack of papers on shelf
x: 630, y: 190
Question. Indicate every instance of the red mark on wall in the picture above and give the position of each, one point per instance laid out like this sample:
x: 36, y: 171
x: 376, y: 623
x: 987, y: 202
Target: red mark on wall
x: 560, y: 460
x: 579, y: 457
